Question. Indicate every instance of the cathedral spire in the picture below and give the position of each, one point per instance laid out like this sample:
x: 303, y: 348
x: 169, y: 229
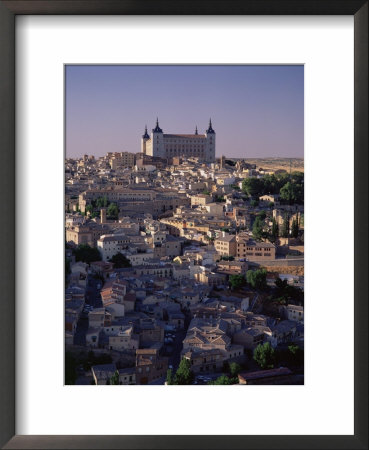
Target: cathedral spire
x: 196, y: 132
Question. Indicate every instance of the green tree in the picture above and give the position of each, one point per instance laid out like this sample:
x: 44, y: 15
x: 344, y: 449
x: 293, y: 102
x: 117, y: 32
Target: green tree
x: 90, y: 209
x: 170, y: 379
x: 237, y: 281
x: 273, y: 236
x: 224, y: 380
x: 294, y: 228
x: 112, y: 211
x: 257, y: 278
x: 234, y: 369
x: 86, y: 253
x: 285, y: 229
x: 262, y: 215
x: 258, y: 228
x: 253, y: 187
x: 264, y: 355
x: 296, y: 354
x: 100, y: 202
x: 115, y: 378
x: 288, y: 293
x: 184, y: 374
x: 120, y: 261
x: 293, y: 190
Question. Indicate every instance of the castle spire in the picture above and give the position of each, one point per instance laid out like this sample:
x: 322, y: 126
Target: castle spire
x: 210, y: 129
x: 145, y: 135
x: 157, y: 129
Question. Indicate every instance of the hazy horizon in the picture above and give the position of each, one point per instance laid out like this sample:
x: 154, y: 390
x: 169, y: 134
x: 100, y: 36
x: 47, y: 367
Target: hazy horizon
x: 256, y: 111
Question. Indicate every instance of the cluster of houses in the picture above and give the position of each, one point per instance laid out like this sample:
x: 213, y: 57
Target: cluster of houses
x: 184, y: 230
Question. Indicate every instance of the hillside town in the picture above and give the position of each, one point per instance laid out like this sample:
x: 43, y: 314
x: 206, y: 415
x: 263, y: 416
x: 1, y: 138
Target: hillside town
x: 183, y: 268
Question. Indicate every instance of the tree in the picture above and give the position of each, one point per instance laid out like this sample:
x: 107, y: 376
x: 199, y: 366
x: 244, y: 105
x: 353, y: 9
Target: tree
x: 262, y: 215
x: 237, y: 281
x: 86, y: 253
x: 253, y: 187
x: 274, y: 232
x: 285, y: 231
x: 89, y: 208
x: 184, y: 374
x: 258, y: 228
x: 115, y: 378
x: 234, y: 369
x: 112, y: 211
x: 296, y: 354
x: 170, y: 379
x: 223, y: 379
x: 120, y: 261
x: 293, y: 190
x: 295, y: 228
x: 257, y: 278
x: 287, y: 293
x: 264, y: 355
x: 99, y: 202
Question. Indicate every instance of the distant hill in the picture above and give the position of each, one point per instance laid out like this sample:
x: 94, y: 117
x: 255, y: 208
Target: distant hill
x: 278, y: 163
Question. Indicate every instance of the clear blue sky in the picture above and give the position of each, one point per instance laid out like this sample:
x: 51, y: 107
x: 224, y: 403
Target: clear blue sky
x: 257, y: 111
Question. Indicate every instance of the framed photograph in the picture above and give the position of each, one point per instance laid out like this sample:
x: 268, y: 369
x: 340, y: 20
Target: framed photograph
x: 185, y: 224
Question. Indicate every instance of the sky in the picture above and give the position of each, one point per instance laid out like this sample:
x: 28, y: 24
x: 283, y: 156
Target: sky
x: 256, y: 111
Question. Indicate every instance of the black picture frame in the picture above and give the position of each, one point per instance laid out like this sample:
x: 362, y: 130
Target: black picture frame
x: 8, y: 12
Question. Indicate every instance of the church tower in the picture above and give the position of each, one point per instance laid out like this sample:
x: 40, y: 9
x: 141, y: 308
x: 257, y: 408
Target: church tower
x: 210, y: 143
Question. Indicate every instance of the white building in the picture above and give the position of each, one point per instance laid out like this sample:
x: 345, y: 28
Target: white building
x: 111, y: 244
x: 163, y: 145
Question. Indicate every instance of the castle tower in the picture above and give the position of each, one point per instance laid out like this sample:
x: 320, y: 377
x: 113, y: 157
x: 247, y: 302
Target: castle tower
x: 157, y: 141
x: 210, y: 143
x: 144, y: 139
